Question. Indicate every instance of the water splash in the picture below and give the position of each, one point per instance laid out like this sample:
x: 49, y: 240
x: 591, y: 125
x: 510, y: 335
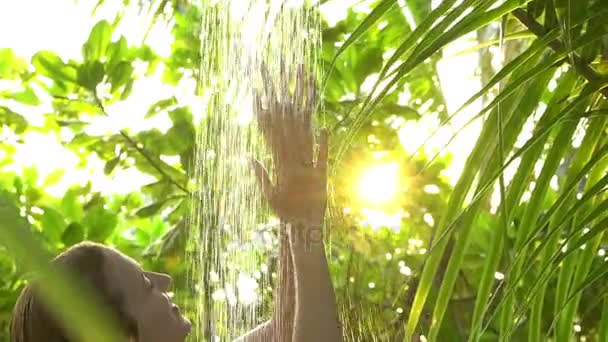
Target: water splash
x: 232, y: 243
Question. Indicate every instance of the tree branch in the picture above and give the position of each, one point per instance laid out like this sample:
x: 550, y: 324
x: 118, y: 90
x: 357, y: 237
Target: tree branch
x: 142, y: 150
x: 539, y: 30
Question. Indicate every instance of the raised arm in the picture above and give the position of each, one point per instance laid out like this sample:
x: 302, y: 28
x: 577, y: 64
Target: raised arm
x: 298, y: 196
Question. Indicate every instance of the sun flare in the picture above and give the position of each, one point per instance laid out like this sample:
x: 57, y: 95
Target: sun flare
x: 379, y: 184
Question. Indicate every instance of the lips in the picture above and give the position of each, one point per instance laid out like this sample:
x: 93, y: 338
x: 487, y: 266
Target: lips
x: 187, y: 325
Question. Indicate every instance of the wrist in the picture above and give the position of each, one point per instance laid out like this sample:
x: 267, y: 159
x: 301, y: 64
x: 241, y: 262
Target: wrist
x: 305, y: 237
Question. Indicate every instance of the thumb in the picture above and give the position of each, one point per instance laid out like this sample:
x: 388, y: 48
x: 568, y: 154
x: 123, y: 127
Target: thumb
x: 263, y: 179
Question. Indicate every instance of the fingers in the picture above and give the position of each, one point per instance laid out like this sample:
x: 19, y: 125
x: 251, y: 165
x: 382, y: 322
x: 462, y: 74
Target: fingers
x: 308, y: 112
x: 312, y: 95
x: 263, y: 179
x: 286, y: 121
x: 268, y: 85
x: 257, y: 104
x: 299, y: 91
x: 264, y: 122
x: 305, y: 117
x: 284, y: 81
x: 323, y: 151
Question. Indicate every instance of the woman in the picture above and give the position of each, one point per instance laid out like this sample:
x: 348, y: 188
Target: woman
x: 137, y: 299
x: 305, y: 309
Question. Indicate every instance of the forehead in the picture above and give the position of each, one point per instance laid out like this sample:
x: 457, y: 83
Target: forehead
x: 118, y: 262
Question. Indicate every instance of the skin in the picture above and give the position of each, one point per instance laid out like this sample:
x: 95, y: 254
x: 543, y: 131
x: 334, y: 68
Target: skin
x: 298, y: 196
x: 146, y: 299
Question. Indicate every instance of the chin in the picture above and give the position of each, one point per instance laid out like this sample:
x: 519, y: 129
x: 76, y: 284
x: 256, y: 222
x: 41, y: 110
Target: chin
x: 186, y: 326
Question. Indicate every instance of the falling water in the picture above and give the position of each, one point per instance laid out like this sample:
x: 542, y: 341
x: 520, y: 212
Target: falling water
x: 232, y: 241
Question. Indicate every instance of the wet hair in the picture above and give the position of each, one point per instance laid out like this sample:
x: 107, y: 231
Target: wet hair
x: 32, y: 322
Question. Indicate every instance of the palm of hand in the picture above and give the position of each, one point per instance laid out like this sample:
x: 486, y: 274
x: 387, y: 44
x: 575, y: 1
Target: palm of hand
x: 299, y: 192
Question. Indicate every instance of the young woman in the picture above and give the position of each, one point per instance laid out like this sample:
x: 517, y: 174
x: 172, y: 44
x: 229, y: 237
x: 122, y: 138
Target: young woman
x: 137, y: 299
x: 304, y: 310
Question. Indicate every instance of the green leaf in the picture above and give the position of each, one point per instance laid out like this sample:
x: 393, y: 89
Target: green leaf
x: 603, y: 334
x: 27, y: 96
x: 73, y: 234
x: 180, y: 211
x: 174, y: 241
x: 485, y: 145
x: 142, y: 236
x: 128, y: 89
x: 71, y: 207
x: 11, y: 65
x: 49, y: 64
x: 111, y: 165
x: 180, y: 114
x: 30, y: 175
x: 368, y: 22
x: 90, y: 74
x: 150, y: 210
x: 161, y: 105
x: 117, y: 52
x: 13, y: 120
x: 101, y: 223
x: 53, y: 177
x: 98, y: 41
x: 82, y: 140
x: 179, y: 137
x: 120, y: 75
x: 52, y: 223
x: 18, y: 184
x: 515, y: 191
x: 159, y: 189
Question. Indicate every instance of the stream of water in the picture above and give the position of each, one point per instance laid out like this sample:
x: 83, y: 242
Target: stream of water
x: 232, y: 237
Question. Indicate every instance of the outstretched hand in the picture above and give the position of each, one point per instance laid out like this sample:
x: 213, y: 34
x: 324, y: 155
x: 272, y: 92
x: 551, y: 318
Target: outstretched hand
x: 299, y: 193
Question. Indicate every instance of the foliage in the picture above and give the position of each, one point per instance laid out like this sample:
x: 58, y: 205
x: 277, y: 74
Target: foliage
x: 435, y: 273
x: 547, y: 229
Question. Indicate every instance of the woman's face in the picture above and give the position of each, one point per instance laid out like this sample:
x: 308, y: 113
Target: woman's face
x: 146, y: 300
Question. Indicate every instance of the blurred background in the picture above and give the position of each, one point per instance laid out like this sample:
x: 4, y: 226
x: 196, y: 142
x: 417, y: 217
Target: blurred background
x: 468, y: 156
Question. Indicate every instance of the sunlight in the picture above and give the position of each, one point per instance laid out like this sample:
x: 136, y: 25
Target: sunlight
x: 379, y: 184
x: 376, y: 219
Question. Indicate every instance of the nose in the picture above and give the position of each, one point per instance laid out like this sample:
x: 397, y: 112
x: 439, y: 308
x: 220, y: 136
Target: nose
x: 161, y: 281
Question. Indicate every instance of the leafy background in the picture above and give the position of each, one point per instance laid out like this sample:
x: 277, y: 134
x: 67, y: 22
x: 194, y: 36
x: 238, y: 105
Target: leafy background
x: 498, y: 235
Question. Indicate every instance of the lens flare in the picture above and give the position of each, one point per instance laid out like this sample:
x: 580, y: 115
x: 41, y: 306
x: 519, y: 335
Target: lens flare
x: 379, y: 184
